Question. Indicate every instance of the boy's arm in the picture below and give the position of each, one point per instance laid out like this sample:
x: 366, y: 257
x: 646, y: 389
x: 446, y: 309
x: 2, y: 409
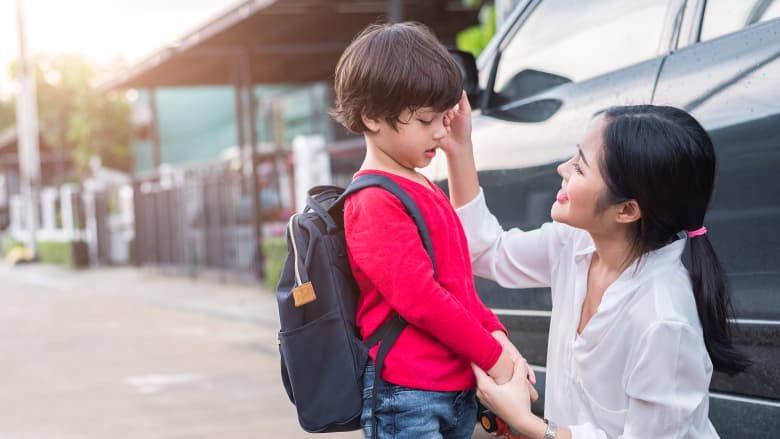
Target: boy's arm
x: 385, y: 245
x: 490, y: 321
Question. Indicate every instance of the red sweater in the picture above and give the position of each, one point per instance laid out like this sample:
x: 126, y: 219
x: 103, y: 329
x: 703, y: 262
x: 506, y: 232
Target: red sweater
x: 449, y: 326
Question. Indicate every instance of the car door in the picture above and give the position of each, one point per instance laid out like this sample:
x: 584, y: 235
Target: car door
x: 727, y: 74
x: 555, y: 64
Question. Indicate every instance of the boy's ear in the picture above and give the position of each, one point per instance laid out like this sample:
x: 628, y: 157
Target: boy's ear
x: 370, y: 123
x: 628, y: 212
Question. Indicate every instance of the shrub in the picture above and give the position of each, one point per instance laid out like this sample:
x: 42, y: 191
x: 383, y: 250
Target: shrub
x: 69, y: 253
x: 275, y: 251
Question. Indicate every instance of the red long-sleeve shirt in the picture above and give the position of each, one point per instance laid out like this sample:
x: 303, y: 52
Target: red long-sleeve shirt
x: 449, y: 326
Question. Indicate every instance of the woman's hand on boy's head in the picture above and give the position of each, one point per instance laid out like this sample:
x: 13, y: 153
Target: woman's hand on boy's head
x: 457, y: 120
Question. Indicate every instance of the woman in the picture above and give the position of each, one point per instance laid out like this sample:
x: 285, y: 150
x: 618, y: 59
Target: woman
x: 633, y: 334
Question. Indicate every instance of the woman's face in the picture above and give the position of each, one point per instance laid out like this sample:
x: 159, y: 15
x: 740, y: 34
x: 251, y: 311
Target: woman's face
x: 583, y: 187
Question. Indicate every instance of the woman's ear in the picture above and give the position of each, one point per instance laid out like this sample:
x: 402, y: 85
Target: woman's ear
x: 370, y: 123
x: 629, y: 212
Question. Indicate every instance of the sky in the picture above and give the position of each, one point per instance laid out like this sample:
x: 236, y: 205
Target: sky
x: 100, y: 30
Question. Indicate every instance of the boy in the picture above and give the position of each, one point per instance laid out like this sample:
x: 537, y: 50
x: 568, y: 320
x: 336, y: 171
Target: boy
x: 395, y: 84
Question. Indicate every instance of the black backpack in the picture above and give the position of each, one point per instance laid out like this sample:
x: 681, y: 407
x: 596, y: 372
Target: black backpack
x: 322, y: 353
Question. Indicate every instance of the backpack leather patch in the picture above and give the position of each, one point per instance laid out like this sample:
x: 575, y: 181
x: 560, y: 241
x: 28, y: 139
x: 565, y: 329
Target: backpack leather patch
x: 304, y: 294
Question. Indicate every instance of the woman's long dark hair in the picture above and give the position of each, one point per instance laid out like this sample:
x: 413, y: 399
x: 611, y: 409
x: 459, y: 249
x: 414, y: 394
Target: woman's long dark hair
x: 663, y: 158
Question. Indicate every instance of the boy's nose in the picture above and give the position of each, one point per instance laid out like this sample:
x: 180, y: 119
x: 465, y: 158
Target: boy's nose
x: 441, y: 131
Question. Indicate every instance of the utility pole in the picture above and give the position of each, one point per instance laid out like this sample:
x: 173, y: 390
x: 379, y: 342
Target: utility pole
x: 395, y: 11
x: 27, y: 136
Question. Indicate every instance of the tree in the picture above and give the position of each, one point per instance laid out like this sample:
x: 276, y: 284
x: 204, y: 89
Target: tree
x: 7, y: 114
x: 101, y: 126
x: 475, y: 38
x: 78, y: 119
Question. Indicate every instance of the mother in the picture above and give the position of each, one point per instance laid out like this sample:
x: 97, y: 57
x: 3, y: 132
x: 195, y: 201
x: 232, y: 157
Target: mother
x: 633, y: 333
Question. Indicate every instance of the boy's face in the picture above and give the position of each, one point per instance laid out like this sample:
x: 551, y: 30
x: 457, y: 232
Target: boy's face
x: 413, y: 142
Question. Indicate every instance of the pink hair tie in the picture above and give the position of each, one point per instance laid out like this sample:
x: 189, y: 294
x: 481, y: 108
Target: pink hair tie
x: 698, y: 232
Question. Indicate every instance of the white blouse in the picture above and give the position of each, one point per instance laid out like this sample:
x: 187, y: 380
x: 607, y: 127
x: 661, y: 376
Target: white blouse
x: 640, y: 368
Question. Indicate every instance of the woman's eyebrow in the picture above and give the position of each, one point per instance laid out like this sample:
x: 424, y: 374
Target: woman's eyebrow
x: 582, y: 155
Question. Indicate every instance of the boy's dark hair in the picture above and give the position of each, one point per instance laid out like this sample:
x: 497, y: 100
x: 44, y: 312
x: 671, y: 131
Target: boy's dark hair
x: 389, y: 68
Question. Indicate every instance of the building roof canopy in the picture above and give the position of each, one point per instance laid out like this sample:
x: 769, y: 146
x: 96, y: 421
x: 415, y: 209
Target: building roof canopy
x: 282, y: 41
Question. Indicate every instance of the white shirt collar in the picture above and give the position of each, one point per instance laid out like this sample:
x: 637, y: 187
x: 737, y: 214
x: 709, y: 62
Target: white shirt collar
x: 660, y: 257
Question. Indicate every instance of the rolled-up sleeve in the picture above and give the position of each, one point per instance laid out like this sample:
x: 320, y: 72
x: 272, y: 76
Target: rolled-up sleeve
x: 512, y: 258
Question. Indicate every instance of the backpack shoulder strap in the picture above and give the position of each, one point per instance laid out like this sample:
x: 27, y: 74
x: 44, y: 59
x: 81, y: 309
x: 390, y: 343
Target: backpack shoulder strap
x: 387, y: 183
x: 294, y: 237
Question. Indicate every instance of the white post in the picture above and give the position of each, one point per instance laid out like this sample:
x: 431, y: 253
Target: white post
x: 27, y: 135
x: 16, y: 207
x: 312, y: 166
x: 92, y: 187
x: 48, y: 209
x: 126, y: 231
x: 66, y: 211
x: 90, y: 228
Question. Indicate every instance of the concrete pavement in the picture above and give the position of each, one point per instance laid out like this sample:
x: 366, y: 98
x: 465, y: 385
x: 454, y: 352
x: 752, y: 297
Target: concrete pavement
x: 127, y: 353
x: 123, y: 353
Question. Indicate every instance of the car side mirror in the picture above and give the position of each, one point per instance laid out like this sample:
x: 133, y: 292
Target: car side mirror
x: 468, y: 68
x: 529, y: 112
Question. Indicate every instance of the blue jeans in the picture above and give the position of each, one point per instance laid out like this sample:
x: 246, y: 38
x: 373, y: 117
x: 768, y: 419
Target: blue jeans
x: 403, y: 412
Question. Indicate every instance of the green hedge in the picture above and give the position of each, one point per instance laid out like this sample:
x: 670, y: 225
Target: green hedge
x: 69, y: 253
x: 275, y: 251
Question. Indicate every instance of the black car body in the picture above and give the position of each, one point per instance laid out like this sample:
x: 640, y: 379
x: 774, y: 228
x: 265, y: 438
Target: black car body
x: 555, y: 63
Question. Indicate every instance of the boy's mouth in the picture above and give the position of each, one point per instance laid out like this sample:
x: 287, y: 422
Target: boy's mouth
x: 430, y: 152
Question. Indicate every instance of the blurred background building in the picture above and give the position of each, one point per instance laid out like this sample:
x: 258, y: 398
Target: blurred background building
x: 227, y: 126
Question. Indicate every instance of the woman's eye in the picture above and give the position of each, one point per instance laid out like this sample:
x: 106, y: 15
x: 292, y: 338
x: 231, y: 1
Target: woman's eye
x: 577, y: 168
x: 425, y: 122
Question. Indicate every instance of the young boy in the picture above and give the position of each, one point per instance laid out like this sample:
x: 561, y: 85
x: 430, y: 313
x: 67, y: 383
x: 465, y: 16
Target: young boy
x: 395, y: 84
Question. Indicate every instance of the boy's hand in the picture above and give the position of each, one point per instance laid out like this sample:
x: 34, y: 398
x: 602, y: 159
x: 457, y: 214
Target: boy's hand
x: 458, y: 124
x: 514, y: 354
x: 501, y: 372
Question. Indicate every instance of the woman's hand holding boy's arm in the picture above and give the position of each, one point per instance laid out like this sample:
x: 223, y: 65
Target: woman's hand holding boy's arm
x: 463, y: 182
x: 512, y: 401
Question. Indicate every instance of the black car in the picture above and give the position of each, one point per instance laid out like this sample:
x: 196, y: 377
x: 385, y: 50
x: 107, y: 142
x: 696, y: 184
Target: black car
x: 554, y: 63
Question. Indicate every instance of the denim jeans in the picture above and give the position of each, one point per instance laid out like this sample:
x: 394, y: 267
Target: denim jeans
x: 403, y: 412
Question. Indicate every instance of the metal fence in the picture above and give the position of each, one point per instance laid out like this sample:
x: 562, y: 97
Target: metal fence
x: 196, y: 223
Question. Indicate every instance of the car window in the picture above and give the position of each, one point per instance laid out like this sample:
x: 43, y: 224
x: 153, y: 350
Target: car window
x: 572, y: 40
x: 726, y: 16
